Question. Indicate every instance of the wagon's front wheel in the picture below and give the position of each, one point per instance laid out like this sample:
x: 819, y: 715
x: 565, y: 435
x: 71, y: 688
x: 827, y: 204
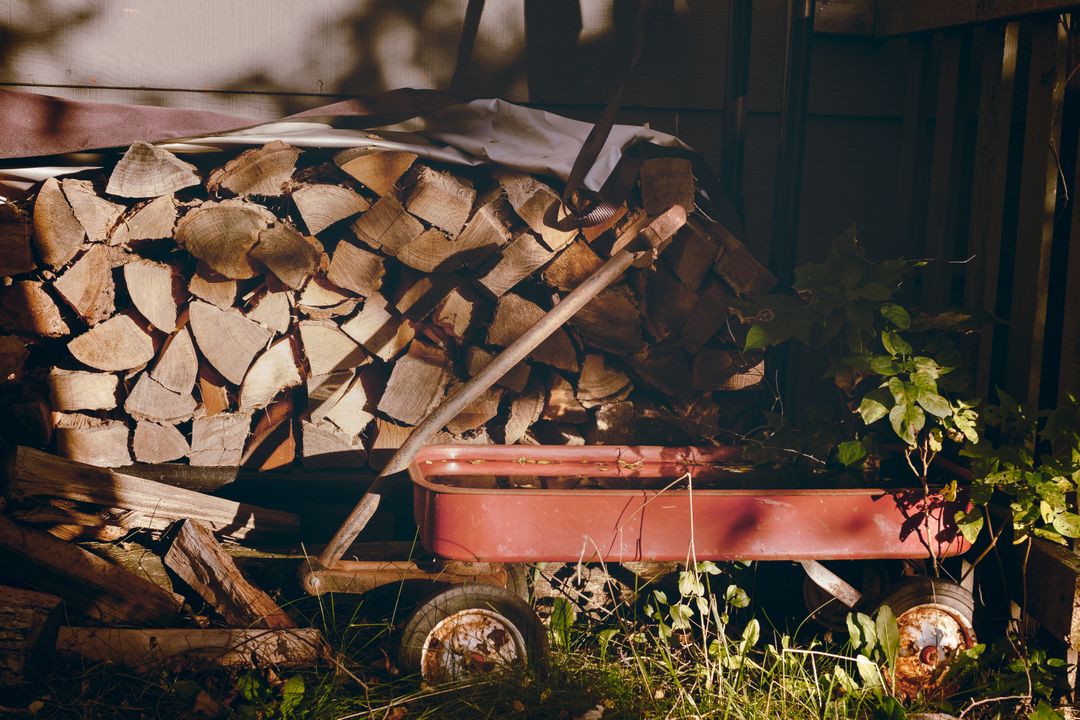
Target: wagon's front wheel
x: 471, y: 629
x: 934, y: 618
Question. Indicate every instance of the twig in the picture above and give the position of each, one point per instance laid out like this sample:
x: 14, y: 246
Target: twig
x: 986, y: 701
x: 993, y: 544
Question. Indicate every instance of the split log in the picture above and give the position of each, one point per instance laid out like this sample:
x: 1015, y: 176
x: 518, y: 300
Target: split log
x: 562, y: 403
x: 148, y: 171
x: 82, y: 533
x: 479, y: 411
x: 748, y: 378
x: 272, y: 443
x: 601, y: 384
x: 91, y: 440
x: 457, y: 312
x: 386, y: 438
x: 441, y: 199
x: 136, y: 559
x: 353, y: 409
x: 197, y: 558
x: 537, y: 205
x: 13, y: 355
x: 93, y: 586
x: 26, y: 308
x: 418, y: 295
x: 574, y: 265
x: 611, y: 321
x: 665, y: 369
x: 519, y: 260
x: 377, y: 170
x: 59, y: 511
x: 709, y: 315
x: 691, y: 255
x: 524, y: 412
x: 272, y: 372
x: 668, y: 304
x: 514, y: 315
x: 477, y: 358
x: 218, y: 440
x: 29, y: 621
x: 80, y: 390
x: 58, y: 234
x: 222, y: 234
x: 290, y: 256
x: 155, y: 443
x: 213, y: 393
x: 258, y: 171
x: 387, y: 226
x: 150, y: 400
x: 613, y: 424
x: 416, y: 385
x: 323, y: 392
x: 321, y: 300
x: 96, y: 214
x: 432, y: 251
x: 324, y: 446
x: 177, y: 366
x: 327, y: 348
x: 272, y: 310
x: 227, y: 339
x: 735, y: 263
x: 667, y: 181
x: 212, y: 287
x: 323, y: 205
x: 186, y: 649
x: 153, y: 221
x: 154, y: 289
x: 378, y: 330
x: 355, y: 269
x: 35, y: 473
x: 16, y: 254
x: 713, y: 368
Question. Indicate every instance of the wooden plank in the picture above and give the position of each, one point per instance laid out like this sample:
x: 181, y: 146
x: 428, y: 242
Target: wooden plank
x: 845, y: 17
x: 911, y: 171
x: 1035, y: 215
x: 988, y: 184
x: 899, y: 17
x: 1054, y: 601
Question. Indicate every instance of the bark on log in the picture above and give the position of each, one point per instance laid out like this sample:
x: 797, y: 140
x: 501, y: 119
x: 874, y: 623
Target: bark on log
x: 27, y: 309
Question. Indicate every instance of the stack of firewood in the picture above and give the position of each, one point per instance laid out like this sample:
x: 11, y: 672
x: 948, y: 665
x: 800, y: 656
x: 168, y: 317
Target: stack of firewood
x: 301, y: 305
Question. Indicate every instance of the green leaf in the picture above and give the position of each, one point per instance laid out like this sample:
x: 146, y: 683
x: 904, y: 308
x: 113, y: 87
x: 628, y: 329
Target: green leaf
x: 844, y: 680
x: 690, y: 585
x: 1068, y: 524
x: 888, y: 633
x: 883, y: 365
x: 757, y: 338
x: 897, y: 315
x: 934, y: 404
x: 850, y: 452
x: 868, y: 672
x: 872, y: 410
x: 970, y: 524
x: 605, y: 636
x: 751, y: 635
x: 1044, y: 712
x: 907, y: 420
x: 894, y: 344
x: 292, y: 694
x: 562, y: 617
x: 735, y: 596
x: 869, y: 631
x: 874, y: 291
x: 853, y: 631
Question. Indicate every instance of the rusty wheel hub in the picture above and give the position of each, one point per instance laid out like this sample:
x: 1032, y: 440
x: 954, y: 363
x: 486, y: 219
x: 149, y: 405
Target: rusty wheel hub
x: 469, y: 642
x: 931, y: 636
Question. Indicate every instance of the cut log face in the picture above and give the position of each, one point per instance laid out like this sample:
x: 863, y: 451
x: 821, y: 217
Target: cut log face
x: 519, y: 260
x: 354, y: 408
x: 601, y: 384
x: 58, y: 234
x: 536, y: 204
x: 227, y: 339
x: 13, y: 355
x: 525, y: 410
x: 177, y: 365
x: 78, y: 390
x: 272, y: 372
x: 218, y: 440
x: 320, y: 300
x: 215, y: 289
x: 387, y: 226
x: 667, y: 181
x: 665, y: 369
x: 611, y: 322
x: 378, y: 170
x: 713, y: 367
x: 514, y: 315
x: 27, y: 309
x: 87, y: 286
x: 272, y: 310
x: 259, y: 171
x: 327, y: 348
x: 457, y: 312
x: 153, y: 221
x: 150, y: 400
x: 323, y: 205
x: 119, y: 343
x: 478, y: 412
x: 710, y: 314
x: 16, y: 255
x: 386, y: 438
x: 222, y: 234
x: 574, y: 265
x: 418, y: 295
x: 324, y: 446
x: 323, y: 392
x: 96, y: 214
x: 213, y: 392
x: 441, y: 199
x: 93, y: 441
x: 477, y: 358
x: 148, y: 171
x: 272, y: 443
x: 154, y: 288
x: 668, y: 304
x: 690, y: 256
x: 743, y: 379
x: 562, y: 403
x: 292, y: 257
x: 355, y: 269
x: 155, y: 443
x: 381, y: 332
x: 417, y: 384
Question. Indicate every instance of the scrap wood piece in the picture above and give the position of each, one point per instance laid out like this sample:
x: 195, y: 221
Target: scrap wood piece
x: 30, y: 621
x: 148, y: 171
x: 356, y: 269
x: 96, y: 214
x: 213, y: 287
x: 154, y: 220
x: 611, y: 321
x: 191, y: 649
x: 197, y: 558
x: 227, y: 339
x: 416, y: 385
x: 272, y: 443
x: 324, y: 446
x: 573, y: 266
x: 218, y: 440
x: 258, y: 171
x: 667, y: 181
x: 177, y: 366
x: 327, y: 348
x: 525, y: 410
x: 477, y: 358
x: 709, y: 315
x: 273, y: 372
x: 667, y: 302
x: 289, y: 255
x: 81, y: 390
x: 13, y: 356
x: 691, y: 255
x: 91, y: 440
x: 441, y: 199
x: 154, y: 443
x: 16, y: 253
x: 387, y: 226
x: 600, y: 383
x: 94, y: 586
x: 536, y: 204
x: 514, y: 316
x: 562, y: 403
x: 378, y: 170
x: 26, y: 308
x: 354, y: 408
x: 150, y: 400
x: 479, y: 411
x: 272, y: 310
x: 381, y: 332
x: 222, y: 234
x: 519, y: 260
x: 323, y: 205
x: 154, y: 289
x: 58, y: 234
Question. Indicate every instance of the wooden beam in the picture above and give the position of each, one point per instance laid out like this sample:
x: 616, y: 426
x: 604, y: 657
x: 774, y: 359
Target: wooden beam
x: 899, y: 17
x: 1035, y: 216
x: 1054, y: 601
x: 1069, y: 367
x: 845, y: 17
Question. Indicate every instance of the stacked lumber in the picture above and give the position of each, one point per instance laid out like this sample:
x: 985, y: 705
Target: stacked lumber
x: 299, y: 307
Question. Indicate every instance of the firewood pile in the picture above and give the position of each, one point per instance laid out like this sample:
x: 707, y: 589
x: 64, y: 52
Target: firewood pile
x: 308, y: 307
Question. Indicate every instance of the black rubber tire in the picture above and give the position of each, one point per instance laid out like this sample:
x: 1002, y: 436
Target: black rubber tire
x: 517, y: 580
x: 472, y: 596
x: 911, y: 592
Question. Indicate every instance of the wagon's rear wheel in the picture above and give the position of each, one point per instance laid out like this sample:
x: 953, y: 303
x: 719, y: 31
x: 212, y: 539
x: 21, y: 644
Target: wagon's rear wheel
x: 472, y: 629
x: 935, y: 621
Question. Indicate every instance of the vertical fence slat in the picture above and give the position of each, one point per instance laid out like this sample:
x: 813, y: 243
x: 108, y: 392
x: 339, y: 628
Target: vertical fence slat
x: 912, y: 136
x: 1069, y: 368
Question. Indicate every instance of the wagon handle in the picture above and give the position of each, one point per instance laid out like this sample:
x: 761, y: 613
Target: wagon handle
x: 628, y: 251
